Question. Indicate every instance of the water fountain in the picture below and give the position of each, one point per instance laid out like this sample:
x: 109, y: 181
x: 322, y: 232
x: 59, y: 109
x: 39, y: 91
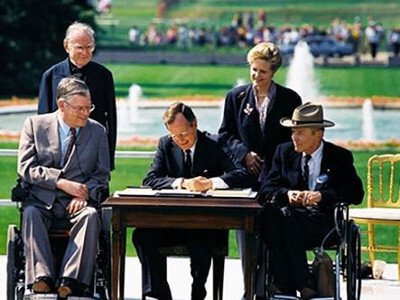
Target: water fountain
x: 301, y: 74
x: 301, y: 78
x: 368, y: 128
x: 128, y: 109
x: 135, y: 94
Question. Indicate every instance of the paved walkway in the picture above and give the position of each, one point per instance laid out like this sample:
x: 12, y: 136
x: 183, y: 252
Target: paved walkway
x: 153, y: 57
x: 179, y: 278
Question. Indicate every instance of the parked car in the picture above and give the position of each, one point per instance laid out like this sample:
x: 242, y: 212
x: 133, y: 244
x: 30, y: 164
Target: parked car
x: 321, y: 45
x: 328, y: 46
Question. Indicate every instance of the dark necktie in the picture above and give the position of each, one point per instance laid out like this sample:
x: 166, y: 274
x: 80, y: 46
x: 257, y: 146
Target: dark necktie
x: 306, y: 171
x: 71, y: 143
x: 187, y: 164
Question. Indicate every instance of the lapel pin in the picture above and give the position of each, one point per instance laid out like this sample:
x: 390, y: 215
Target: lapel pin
x: 247, y: 110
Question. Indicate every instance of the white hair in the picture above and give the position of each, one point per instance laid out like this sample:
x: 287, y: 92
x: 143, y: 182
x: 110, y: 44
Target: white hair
x: 77, y: 26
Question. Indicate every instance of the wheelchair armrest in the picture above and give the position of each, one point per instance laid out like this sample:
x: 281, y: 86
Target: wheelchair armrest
x: 98, y: 195
x: 20, y: 191
x: 341, y: 211
x: 341, y: 217
x: 103, y: 193
x: 267, y: 200
x: 342, y: 205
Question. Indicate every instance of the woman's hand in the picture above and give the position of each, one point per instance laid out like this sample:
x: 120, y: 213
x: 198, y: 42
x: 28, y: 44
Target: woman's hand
x: 253, y: 163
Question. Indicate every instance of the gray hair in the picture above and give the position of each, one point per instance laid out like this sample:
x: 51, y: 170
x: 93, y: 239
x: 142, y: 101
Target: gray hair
x: 174, y: 109
x: 71, y: 86
x: 77, y: 26
x: 268, y: 52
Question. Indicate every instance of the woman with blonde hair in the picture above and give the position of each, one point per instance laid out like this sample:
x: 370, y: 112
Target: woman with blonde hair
x: 250, y: 123
x: 252, y: 112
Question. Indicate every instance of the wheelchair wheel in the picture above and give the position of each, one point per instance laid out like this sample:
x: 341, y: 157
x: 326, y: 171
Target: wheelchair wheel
x: 103, y: 261
x: 107, y: 215
x: 353, y: 262
x: 15, y: 288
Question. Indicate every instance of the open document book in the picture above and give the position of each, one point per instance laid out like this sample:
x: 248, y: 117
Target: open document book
x: 228, y: 193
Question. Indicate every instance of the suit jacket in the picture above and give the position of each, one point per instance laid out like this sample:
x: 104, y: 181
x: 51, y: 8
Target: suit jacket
x: 39, y: 157
x: 241, y: 127
x: 101, y: 85
x: 209, y: 160
x: 338, y: 182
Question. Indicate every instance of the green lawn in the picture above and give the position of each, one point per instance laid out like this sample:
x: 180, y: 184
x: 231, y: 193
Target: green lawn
x: 181, y: 81
x: 161, y: 81
x: 131, y: 171
x: 279, y: 12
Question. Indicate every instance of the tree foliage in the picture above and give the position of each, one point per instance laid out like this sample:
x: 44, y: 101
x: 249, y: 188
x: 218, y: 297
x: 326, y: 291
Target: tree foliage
x: 31, y: 35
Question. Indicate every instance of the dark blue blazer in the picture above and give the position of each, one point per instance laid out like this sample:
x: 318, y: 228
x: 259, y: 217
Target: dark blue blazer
x: 209, y: 160
x: 339, y: 180
x: 240, y: 126
x: 101, y: 85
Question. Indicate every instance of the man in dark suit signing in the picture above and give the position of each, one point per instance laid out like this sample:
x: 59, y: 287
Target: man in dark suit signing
x: 63, y: 160
x: 186, y: 159
x: 79, y: 43
x: 308, y: 177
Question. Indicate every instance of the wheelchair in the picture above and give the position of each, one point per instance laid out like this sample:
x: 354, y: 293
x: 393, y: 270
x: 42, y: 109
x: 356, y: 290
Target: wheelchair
x: 344, y: 240
x: 16, y: 285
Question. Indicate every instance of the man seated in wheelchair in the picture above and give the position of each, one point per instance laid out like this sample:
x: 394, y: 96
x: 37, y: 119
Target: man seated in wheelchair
x: 63, y: 159
x: 308, y: 177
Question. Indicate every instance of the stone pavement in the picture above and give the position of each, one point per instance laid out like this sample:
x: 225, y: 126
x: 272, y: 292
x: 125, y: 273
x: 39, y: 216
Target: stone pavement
x: 383, y: 59
x: 179, y: 279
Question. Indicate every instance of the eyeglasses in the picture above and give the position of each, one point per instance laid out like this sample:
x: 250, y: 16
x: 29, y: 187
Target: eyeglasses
x: 80, y: 48
x: 81, y: 109
x: 181, y: 135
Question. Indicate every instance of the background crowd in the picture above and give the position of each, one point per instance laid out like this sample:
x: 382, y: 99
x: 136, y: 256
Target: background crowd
x: 249, y: 28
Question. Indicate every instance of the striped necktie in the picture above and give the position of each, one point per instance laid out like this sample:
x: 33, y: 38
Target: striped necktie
x: 71, y: 143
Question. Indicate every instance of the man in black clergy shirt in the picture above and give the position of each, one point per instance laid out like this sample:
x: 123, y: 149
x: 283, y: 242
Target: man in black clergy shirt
x: 79, y: 43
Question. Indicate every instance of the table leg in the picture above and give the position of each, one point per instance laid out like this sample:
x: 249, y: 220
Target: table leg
x: 118, y: 256
x: 122, y: 263
x: 249, y: 268
x: 115, y: 263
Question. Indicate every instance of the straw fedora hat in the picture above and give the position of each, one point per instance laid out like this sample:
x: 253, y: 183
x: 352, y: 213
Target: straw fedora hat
x: 307, y: 115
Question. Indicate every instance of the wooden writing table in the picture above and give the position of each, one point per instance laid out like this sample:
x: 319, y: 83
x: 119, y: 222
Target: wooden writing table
x: 179, y: 212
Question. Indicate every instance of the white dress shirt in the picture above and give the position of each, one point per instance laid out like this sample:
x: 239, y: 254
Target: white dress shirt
x: 217, y: 182
x: 314, y: 165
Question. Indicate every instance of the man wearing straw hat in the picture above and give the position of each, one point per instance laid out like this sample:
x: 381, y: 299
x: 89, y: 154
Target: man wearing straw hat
x: 308, y: 177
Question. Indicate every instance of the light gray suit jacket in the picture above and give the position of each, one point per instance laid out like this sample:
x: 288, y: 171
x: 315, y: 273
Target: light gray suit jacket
x: 39, y: 157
